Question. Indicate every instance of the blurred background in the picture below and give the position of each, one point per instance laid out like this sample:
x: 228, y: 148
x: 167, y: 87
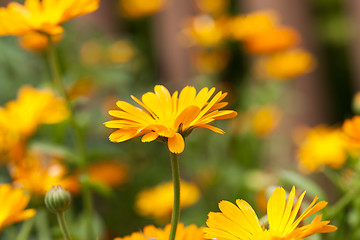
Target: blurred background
x: 288, y: 66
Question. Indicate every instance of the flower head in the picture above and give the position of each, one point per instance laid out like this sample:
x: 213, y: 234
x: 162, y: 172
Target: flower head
x: 140, y: 8
x: 241, y: 222
x: 157, y: 202
x: 182, y: 233
x: 42, y: 16
x: 351, y: 128
x: 169, y: 118
x: 108, y: 173
x: 13, y: 202
x: 323, y: 146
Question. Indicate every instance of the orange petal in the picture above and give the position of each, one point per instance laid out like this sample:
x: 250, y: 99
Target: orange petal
x: 176, y: 143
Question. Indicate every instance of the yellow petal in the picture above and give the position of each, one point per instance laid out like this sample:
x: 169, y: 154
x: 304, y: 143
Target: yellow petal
x: 275, y: 208
x: 151, y: 136
x: 176, y: 143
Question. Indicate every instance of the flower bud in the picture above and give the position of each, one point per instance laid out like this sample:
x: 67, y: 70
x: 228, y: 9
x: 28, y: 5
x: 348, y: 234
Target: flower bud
x: 57, y: 199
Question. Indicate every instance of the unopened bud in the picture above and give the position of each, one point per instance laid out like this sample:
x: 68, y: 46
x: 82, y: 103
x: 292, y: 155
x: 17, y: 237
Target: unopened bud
x: 57, y: 199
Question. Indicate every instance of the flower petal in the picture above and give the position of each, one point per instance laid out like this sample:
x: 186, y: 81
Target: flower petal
x: 176, y: 143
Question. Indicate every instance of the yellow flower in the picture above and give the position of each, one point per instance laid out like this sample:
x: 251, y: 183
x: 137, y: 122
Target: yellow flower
x: 109, y: 173
x: 244, y: 26
x: 140, y: 8
x: 265, y: 120
x: 351, y: 128
x: 42, y: 16
x: 323, y: 146
x: 240, y: 222
x: 169, y: 118
x: 38, y: 172
x: 158, y: 202
x: 289, y: 64
x: 32, y: 108
x: 120, y: 51
x: 271, y: 41
x: 13, y: 202
x: 191, y: 232
x: 206, y: 31
x: 38, y: 42
x: 212, y: 61
x: 213, y: 7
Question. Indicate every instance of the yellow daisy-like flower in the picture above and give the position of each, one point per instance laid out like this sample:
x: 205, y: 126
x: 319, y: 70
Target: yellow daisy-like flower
x: 241, y: 223
x: 158, y: 202
x: 13, y: 202
x: 323, y: 146
x: 191, y: 232
x: 42, y: 16
x: 169, y: 118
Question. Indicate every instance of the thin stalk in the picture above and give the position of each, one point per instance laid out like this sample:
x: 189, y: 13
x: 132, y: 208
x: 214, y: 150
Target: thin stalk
x: 87, y: 201
x: 42, y: 225
x: 63, y: 227
x: 176, y: 183
x: 25, y: 229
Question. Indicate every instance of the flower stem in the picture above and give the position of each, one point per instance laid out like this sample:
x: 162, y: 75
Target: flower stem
x: 87, y: 201
x: 176, y: 183
x: 41, y: 224
x: 25, y: 229
x: 63, y: 227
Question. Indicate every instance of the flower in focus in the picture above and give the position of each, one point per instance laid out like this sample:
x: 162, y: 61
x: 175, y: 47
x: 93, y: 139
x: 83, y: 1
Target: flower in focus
x: 212, y: 7
x: 140, y: 8
x: 169, y: 118
x: 158, y: 202
x: 289, y: 64
x: 42, y: 16
x: 241, y: 222
x: 38, y: 172
x: 245, y: 26
x: 13, y: 202
x: 206, y: 31
x: 191, y: 232
x: 272, y: 40
x: 108, y: 173
x: 38, y: 42
x: 351, y: 128
x: 323, y: 146
x: 210, y: 61
x: 265, y: 120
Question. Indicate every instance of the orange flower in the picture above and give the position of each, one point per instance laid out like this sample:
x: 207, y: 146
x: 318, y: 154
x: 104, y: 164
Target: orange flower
x: 351, y: 128
x: 42, y: 16
x: 38, y: 42
x: 272, y: 41
x: 213, y: 7
x: 168, y: 118
x: 140, y: 8
x: 212, y: 61
x: 108, y: 173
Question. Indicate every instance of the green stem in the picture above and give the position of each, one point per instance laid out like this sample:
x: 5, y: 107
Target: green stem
x: 42, y: 225
x: 63, y: 227
x: 25, y: 229
x: 87, y: 201
x: 176, y: 183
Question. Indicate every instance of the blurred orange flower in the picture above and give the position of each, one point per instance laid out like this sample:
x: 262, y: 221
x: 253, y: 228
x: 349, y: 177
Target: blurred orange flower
x: 351, y: 128
x: 38, y: 42
x: 42, y: 16
x: 210, y: 61
x: 157, y: 202
x: 244, y: 26
x: 323, y: 146
x: 182, y: 233
x: 265, y: 120
x: 140, y: 8
x: 13, y: 202
x: 212, y: 7
x: 39, y: 171
x: 289, y: 64
x: 108, y: 173
x: 272, y: 40
x: 120, y: 51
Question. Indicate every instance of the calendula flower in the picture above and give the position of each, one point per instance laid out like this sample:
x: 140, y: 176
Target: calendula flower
x: 210, y: 61
x: 140, y: 8
x: 351, y: 128
x: 241, y: 222
x: 38, y: 42
x: 206, y: 31
x: 13, y: 202
x: 191, y: 232
x: 108, y: 173
x: 271, y: 41
x: 158, y: 202
x: 212, y: 7
x: 168, y: 118
x: 265, y: 120
x: 323, y: 146
x: 244, y: 26
x: 38, y: 172
x: 42, y: 16
x: 289, y: 64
